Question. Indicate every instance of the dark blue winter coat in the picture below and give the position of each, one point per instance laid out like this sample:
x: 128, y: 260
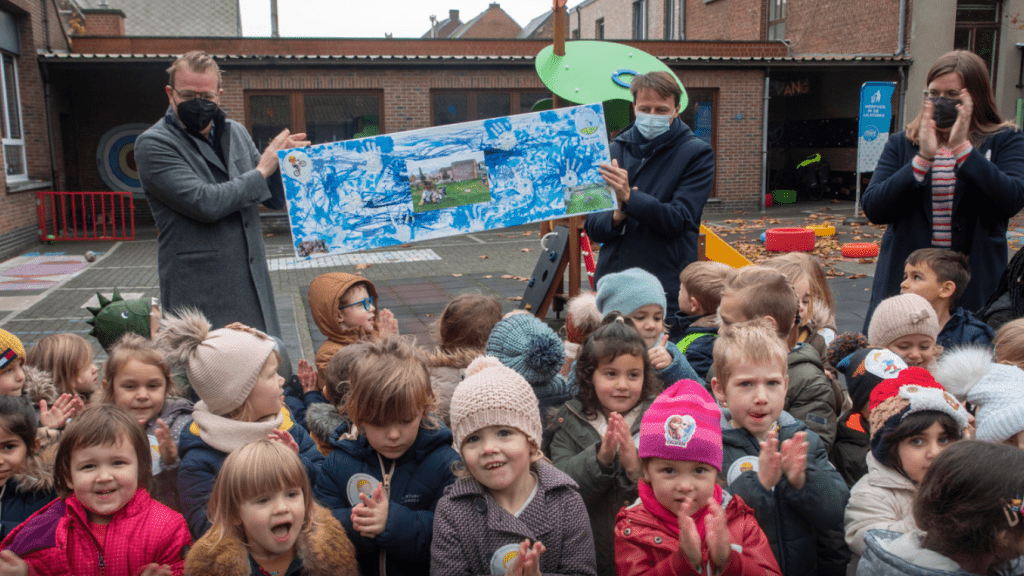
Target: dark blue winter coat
x: 298, y: 402
x: 699, y: 337
x: 989, y: 190
x: 418, y: 482
x: 201, y: 462
x: 16, y: 506
x: 790, y: 518
x: 964, y: 328
x: 673, y: 174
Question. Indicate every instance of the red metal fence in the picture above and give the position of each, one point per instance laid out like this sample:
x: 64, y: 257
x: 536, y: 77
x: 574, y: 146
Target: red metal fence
x: 86, y: 216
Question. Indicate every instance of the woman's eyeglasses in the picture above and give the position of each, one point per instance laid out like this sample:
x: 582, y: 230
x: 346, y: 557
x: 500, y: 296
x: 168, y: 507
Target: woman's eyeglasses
x: 367, y: 303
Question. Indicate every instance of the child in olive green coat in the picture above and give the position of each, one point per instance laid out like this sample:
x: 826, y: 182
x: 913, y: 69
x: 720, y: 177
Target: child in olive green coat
x: 592, y: 439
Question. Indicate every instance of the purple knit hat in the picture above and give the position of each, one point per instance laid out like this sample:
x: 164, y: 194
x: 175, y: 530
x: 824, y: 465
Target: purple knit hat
x: 683, y: 424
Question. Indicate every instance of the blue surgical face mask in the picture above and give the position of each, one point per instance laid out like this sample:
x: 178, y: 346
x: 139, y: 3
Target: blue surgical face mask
x: 652, y: 125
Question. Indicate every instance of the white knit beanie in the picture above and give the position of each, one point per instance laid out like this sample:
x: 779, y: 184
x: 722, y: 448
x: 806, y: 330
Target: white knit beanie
x: 901, y: 316
x: 494, y: 395
x: 999, y: 396
x: 222, y: 365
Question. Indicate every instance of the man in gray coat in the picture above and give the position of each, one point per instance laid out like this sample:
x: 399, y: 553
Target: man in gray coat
x: 204, y: 180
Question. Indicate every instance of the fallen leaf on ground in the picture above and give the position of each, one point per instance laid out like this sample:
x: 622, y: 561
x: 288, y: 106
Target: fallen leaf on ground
x: 866, y: 261
x: 856, y: 276
x: 507, y: 276
x: 526, y: 250
x: 457, y: 275
x: 514, y: 298
x: 429, y: 315
x: 363, y: 266
x: 483, y: 257
x: 488, y: 277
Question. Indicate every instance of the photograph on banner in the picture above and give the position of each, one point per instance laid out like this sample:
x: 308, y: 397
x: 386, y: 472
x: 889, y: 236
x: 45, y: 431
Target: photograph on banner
x: 446, y: 180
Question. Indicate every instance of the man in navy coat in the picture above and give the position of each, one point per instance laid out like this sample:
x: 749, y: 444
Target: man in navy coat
x: 204, y: 181
x: 662, y: 175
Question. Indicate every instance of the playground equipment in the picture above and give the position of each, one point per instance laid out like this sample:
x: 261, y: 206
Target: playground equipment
x: 789, y: 240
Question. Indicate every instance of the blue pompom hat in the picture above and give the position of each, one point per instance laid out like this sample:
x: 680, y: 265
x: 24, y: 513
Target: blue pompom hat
x: 529, y: 346
x: 628, y: 290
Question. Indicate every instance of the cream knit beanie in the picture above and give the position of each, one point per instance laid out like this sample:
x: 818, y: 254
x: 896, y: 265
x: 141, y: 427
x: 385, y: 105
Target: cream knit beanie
x: 901, y: 316
x: 222, y: 365
x: 494, y: 395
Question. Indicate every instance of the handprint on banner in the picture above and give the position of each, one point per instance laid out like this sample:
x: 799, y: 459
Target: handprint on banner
x: 571, y: 177
x: 371, y: 158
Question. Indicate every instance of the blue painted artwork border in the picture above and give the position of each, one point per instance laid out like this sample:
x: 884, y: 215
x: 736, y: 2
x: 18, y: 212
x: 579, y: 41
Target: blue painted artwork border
x: 357, y: 194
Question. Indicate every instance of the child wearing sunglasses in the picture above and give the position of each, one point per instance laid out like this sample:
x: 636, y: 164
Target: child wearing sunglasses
x: 344, y: 307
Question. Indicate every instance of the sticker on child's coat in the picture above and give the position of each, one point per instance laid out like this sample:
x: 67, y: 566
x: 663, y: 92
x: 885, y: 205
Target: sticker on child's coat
x: 502, y: 558
x: 679, y: 430
x: 740, y: 466
x: 360, y: 484
x: 883, y: 364
x: 154, y: 445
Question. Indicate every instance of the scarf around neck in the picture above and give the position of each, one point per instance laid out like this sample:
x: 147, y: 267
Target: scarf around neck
x: 668, y: 520
x: 226, y: 434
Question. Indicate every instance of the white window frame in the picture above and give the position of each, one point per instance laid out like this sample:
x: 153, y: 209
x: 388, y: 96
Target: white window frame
x: 6, y: 141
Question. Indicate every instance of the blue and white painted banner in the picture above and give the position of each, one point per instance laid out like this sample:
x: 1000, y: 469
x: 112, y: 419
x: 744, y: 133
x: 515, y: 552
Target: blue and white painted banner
x: 875, y: 117
x: 447, y: 180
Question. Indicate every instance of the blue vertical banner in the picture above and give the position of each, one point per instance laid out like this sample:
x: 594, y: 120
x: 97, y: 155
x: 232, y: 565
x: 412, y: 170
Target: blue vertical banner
x: 875, y: 117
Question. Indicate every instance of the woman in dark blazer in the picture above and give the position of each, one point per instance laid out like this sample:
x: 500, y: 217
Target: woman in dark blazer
x: 959, y: 127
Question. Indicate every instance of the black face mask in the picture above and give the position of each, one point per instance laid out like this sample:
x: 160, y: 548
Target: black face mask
x: 944, y: 112
x: 197, y: 113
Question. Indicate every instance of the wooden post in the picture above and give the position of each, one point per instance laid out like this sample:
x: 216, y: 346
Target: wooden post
x: 575, y: 223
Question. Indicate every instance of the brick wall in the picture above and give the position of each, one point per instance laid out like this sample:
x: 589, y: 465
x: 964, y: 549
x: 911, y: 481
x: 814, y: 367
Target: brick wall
x: 841, y: 27
x: 18, y: 209
x: 738, y: 141
x: 725, y: 20
x: 104, y: 22
x: 493, y: 23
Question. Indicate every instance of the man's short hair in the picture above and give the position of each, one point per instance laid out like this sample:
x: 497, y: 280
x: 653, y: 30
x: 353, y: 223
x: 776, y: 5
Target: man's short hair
x: 663, y: 83
x: 196, y: 61
x: 764, y: 292
x: 704, y: 281
x: 948, y: 265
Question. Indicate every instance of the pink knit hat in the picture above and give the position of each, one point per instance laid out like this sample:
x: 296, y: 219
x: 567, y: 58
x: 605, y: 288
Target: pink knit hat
x: 683, y: 424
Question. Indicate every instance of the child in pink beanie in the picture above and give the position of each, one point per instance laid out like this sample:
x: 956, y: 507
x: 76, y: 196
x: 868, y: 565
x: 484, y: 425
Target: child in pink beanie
x: 684, y: 523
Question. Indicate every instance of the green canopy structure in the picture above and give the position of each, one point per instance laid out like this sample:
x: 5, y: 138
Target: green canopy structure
x: 593, y: 71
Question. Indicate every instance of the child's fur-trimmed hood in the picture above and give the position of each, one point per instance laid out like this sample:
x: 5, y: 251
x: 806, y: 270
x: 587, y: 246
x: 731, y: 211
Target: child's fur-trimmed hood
x: 324, y: 548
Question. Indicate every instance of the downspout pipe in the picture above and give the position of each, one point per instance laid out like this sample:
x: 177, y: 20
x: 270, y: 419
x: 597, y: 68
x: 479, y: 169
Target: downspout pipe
x: 764, y: 141
x: 46, y: 25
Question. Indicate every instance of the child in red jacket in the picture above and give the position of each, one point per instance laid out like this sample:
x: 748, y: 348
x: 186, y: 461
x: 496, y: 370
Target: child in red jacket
x: 684, y: 523
x: 105, y: 522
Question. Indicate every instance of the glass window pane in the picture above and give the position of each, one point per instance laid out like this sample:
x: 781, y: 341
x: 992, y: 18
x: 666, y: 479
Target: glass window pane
x: 977, y: 11
x: 334, y: 117
x: 493, y: 105
x: 13, y: 124
x: 528, y: 99
x: 449, y: 108
x: 700, y: 115
x: 985, y: 45
x: 14, y: 159
x: 268, y: 115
